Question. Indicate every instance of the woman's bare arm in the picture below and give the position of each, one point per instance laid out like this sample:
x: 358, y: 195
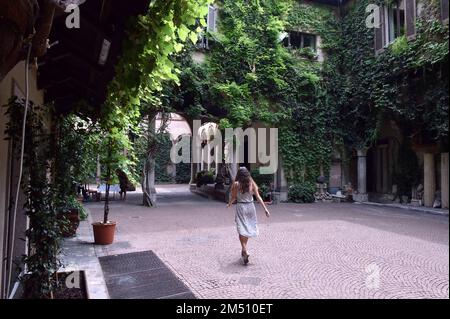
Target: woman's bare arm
x: 233, y: 195
x: 258, y: 197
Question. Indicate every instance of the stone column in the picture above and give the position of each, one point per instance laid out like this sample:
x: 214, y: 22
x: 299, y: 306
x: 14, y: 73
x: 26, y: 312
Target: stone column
x: 217, y: 160
x: 429, y: 179
x: 385, y: 169
x: 345, y: 167
x: 193, y: 175
x: 362, y: 177
x: 444, y: 180
x: 202, y: 163
x: 379, y: 169
x: 280, y: 183
x: 98, y: 176
x: 151, y: 176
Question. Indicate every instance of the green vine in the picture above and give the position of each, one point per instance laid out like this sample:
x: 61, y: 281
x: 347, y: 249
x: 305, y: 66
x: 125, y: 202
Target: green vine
x: 44, y: 230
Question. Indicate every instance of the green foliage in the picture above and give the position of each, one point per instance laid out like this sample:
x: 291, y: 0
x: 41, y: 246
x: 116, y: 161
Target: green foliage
x: 144, y: 66
x: 43, y: 233
x: 262, y: 179
x: 302, y: 193
x: 264, y: 191
x: 408, y: 82
x: 75, y: 156
x: 399, y: 46
x: 183, y: 174
x: 72, y: 203
x: 407, y: 174
x: 249, y: 76
x: 162, y: 159
x: 205, y: 177
x: 183, y: 170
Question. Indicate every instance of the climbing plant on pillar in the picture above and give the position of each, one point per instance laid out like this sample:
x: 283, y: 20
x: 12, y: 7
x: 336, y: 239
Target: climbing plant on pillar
x: 143, y: 67
x: 44, y: 231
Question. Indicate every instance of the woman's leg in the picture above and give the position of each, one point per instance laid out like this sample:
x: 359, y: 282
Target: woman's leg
x: 243, y: 241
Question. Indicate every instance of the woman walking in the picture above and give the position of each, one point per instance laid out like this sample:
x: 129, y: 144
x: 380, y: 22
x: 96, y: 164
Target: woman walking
x: 242, y: 191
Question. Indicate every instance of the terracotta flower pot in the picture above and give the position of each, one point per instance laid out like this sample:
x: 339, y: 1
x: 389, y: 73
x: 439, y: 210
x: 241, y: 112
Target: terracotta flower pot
x: 104, y: 233
x: 72, y: 218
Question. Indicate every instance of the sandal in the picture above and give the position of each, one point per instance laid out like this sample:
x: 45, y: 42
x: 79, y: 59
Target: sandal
x: 245, y: 257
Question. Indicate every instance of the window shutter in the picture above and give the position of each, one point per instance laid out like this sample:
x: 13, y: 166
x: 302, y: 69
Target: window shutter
x: 444, y: 11
x: 379, y: 34
x: 410, y: 17
x: 212, y: 15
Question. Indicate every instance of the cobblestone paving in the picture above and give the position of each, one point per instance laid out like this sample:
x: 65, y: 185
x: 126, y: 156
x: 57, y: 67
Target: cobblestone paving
x: 303, y: 251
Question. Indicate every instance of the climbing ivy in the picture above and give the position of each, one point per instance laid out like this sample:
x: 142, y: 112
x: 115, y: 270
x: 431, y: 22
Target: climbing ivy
x: 249, y: 76
x: 40, y: 203
x: 408, y: 82
x: 142, y: 69
x: 162, y: 159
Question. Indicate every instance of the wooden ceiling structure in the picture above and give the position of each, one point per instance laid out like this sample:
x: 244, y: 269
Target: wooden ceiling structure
x: 78, y: 63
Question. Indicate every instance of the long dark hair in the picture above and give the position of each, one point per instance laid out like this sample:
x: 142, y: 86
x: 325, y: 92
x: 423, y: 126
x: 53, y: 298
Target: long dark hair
x: 244, y: 178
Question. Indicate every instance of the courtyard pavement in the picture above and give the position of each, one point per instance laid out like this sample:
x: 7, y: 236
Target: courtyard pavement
x: 338, y: 250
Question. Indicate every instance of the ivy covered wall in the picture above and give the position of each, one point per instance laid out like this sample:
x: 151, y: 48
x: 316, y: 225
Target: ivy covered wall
x: 249, y: 76
x: 407, y: 83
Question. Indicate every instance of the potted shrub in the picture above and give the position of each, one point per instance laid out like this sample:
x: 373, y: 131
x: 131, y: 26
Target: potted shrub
x: 208, y: 177
x: 199, y: 178
x: 71, y: 216
x: 73, y: 149
x: 112, y: 158
x: 205, y: 178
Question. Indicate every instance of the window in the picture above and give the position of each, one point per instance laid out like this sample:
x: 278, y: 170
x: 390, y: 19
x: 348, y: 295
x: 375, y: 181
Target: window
x: 397, y: 19
x: 299, y: 40
x: 394, y: 20
x: 212, y: 19
x: 211, y: 26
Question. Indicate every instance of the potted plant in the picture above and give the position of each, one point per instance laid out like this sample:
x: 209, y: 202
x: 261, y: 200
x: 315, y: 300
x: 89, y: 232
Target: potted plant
x: 72, y: 148
x: 70, y: 217
x: 112, y: 157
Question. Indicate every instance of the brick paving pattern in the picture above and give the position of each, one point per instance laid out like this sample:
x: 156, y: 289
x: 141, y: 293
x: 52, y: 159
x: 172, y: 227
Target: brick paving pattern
x: 303, y: 251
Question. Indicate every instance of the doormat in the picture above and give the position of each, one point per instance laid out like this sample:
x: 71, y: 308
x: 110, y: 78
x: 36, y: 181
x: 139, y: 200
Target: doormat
x: 141, y: 275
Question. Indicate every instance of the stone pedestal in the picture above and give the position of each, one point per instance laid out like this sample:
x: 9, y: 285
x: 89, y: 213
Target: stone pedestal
x: 280, y: 184
x: 429, y: 179
x: 362, y: 196
x: 444, y: 180
x: 335, y: 177
x: 193, y: 172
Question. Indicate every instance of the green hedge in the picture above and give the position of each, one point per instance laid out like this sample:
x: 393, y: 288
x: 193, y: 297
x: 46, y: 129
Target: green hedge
x: 302, y: 193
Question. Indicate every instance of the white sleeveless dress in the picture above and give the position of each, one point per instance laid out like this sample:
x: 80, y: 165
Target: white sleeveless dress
x: 246, y: 221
